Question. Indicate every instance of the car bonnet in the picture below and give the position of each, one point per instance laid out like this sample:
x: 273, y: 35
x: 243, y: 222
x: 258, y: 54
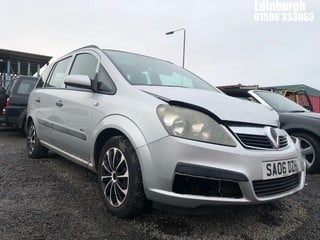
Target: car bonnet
x: 224, y: 107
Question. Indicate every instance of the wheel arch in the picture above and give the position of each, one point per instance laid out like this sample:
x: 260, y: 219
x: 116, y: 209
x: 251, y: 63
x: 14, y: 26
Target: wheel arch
x: 28, y: 120
x: 314, y: 141
x: 104, y: 136
x: 292, y: 131
x: 22, y: 118
x: 117, y: 125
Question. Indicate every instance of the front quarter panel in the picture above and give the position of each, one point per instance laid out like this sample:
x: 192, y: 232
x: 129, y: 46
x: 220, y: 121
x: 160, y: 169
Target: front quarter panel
x: 135, y: 135
x: 124, y: 125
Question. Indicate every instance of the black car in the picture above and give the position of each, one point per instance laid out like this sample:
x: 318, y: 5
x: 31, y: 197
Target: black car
x: 3, y: 98
x: 295, y: 119
x: 4, y: 94
x: 15, y: 110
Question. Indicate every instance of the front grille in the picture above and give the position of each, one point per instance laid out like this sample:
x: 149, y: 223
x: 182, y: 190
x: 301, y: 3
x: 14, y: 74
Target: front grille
x: 271, y: 187
x: 283, y: 141
x: 256, y: 141
x: 260, y: 141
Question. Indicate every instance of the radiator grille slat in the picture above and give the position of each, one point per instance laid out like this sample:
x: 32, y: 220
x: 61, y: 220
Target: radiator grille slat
x: 260, y: 141
x: 270, y: 187
x: 283, y: 142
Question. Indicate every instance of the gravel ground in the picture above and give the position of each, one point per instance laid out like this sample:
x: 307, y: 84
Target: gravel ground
x: 53, y: 198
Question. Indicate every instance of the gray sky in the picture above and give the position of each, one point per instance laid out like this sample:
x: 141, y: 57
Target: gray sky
x: 224, y: 44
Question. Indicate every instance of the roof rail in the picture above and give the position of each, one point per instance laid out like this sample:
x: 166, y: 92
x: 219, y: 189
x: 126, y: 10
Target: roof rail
x: 88, y: 46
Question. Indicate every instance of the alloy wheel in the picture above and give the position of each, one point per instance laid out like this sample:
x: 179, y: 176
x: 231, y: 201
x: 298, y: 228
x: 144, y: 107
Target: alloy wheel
x: 115, y: 177
x: 307, y: 151
x: 31, y: 140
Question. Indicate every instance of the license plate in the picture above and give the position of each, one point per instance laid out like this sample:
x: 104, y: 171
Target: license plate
x: 277, y: 169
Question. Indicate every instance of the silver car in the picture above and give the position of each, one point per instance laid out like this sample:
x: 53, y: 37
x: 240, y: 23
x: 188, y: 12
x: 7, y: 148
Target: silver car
x: 155, y: 132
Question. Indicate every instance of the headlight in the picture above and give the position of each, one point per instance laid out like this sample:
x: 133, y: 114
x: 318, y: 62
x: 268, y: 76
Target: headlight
x: 194, y: 125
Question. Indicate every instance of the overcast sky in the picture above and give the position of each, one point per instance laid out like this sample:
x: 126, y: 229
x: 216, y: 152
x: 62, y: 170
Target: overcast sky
x: 224, y: 45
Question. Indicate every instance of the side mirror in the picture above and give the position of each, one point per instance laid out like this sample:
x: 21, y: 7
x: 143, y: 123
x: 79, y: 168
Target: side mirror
x: 79, y: 81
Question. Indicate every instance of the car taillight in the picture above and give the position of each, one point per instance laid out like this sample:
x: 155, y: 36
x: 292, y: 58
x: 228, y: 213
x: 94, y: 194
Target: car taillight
x: 8, y: 102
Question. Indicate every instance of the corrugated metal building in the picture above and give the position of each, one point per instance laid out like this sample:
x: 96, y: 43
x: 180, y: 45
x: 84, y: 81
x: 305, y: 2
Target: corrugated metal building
x: 14, y: 63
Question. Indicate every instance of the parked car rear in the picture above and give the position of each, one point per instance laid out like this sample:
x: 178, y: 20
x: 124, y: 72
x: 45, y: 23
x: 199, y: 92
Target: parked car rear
x: 4, y: 94
x: 2, y: 98
x: 15, y: 110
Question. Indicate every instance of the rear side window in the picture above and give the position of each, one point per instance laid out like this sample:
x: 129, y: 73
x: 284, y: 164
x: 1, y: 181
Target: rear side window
x: 85, y: 64
x: 25, y: 86
x: 57, y: 76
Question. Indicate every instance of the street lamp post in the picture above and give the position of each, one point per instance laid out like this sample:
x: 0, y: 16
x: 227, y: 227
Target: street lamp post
x: 184, y: 41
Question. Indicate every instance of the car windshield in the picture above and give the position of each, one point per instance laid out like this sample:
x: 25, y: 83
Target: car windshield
x: 143, y: 70
x: 279, y: 102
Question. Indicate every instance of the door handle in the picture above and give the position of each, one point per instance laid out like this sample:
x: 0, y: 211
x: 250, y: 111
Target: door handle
x: 38, y: 99
x: 59, y: 104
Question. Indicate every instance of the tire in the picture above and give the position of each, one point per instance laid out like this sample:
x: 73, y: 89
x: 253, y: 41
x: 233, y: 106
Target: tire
x: 310, y: 149
x: 120, y: 179
x: 34, y: 148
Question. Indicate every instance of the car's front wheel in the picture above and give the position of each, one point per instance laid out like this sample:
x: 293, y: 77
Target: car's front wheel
x: 34, y: 148
x: 310, y: 150
x: 120, y: 178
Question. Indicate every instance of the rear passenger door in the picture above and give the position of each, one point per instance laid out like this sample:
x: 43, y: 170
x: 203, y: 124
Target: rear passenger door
x: 45, y: 99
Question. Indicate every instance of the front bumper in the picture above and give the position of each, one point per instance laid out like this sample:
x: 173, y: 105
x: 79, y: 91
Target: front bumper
x: 163, y: 160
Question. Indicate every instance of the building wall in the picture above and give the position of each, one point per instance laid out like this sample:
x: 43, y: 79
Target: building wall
x: 315, y: 103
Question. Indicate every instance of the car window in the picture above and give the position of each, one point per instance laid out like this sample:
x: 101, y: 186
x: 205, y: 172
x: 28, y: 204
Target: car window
x: 25, y: 86
x: 143, y: 70
x: 105, y: 83
x: 279, y: 102
x: 85, y: 64
x: 57, y: 76
x: 45, y: 74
